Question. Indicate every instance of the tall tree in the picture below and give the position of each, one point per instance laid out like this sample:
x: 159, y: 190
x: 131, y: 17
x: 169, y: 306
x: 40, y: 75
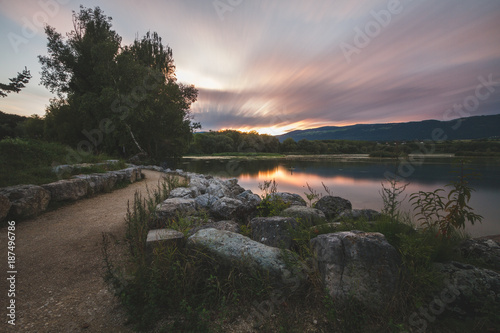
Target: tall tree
x: 132, y: 89
x: 16, y: 83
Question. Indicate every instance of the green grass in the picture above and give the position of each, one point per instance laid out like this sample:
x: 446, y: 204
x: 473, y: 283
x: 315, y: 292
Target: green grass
x: 24, y: 161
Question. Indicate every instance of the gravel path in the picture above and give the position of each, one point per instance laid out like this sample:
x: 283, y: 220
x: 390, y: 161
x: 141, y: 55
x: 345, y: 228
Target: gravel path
x: 59, y: 284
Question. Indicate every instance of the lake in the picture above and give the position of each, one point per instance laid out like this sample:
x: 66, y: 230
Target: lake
x: 359, y: 180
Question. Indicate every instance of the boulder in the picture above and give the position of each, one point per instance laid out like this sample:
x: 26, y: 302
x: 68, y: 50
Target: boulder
x: 68, y: 189
x: 205, y: 200
x: 228, y: 208
x: 307, y: 215
x: 332, y: 206
x: 228, y: 225
x: 484, y: 250
x: 235, y: 250
x: 26, y: 200
x: 273, y: 231
x: 99, y: 182
x: 249, y: 197
x: 4, y: 206
x: 359, y: 214
x: 131, y: 174
x: 165, y: 237
x: 181, y: 192
x: 356, y: 264
x: 172, y: 208
x: 291, y: 199
x: 469, y: 290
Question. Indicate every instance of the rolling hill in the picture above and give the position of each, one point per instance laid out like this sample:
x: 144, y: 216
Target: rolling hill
x: 477, y: 127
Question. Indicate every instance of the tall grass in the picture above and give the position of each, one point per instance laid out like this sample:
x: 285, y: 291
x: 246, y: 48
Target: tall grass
x: 185, y: 288
x: 27, y: 161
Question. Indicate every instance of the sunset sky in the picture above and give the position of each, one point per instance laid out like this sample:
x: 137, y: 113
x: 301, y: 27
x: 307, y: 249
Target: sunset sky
x: 276, y: 66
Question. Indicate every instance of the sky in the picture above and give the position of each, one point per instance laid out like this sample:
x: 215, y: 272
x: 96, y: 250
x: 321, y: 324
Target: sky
x: 279, y: 65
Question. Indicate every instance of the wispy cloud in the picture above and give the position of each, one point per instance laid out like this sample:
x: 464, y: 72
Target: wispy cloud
x: 278, y: 65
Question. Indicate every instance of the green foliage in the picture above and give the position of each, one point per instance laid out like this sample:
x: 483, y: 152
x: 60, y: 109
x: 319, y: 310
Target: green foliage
x: 196, y: 291
x: 231, y: 141
x: 449, y: 214
x: 16, y: 83
x: 117, y: 98
x: 391, y: 197
x: 28, y: 161
x: 270, y: 205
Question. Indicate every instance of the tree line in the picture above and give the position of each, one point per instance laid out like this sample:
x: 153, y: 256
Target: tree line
x: 231, y: 141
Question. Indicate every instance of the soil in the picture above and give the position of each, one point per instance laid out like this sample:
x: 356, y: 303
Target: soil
x: 59, y: 281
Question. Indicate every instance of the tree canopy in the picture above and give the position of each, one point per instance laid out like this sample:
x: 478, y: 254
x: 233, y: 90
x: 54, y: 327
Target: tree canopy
x: 114, y: 98
x: 16, y: 83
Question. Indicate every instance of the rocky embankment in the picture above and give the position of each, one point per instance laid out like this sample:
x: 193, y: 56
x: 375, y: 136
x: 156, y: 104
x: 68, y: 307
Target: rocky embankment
x: 26, y: 201
x: 352, y: 264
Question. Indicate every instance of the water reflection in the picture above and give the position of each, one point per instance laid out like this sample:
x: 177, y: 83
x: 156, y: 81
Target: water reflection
x: 360, y: 181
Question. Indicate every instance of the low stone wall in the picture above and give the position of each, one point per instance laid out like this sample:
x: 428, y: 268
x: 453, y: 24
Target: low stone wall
x: 26, y: 201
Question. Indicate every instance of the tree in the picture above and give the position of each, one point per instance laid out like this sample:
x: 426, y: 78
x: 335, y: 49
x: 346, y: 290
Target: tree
x: 123, y: 97
x: 16, y: 83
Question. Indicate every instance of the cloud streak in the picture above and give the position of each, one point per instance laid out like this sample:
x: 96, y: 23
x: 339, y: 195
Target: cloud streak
x: 278, y: 65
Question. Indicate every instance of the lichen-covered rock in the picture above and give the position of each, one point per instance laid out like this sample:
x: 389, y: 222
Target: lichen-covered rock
x: 291, y: 199
x: 332, y: 206
x: 99, y: 182
x: 68, y: 189
x: 227, y: 225
x: 273, y: 231
x: 485, y: 250
x: 228, y: 208
x: 165, y: 237
x: 172, y: 208
x: 26, y: 200
x: 205, y: 200
x: 307, y: 215
x: 471, y: 290
x: 182, y: 192
x: 4, y: 206
x: 236, y: 250
x: 359, y: 265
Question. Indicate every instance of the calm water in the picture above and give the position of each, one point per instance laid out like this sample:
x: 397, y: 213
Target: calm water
x: 360, y: 181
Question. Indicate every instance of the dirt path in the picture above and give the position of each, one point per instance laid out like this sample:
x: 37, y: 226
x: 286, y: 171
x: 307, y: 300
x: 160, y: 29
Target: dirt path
x: 59, y: 284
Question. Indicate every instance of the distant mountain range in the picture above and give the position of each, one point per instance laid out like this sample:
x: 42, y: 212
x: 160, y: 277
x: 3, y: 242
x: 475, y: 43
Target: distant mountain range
x: 477, y: 127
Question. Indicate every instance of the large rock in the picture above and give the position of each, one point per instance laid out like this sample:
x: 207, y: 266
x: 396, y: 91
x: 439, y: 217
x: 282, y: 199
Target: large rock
x: 236, y: 250
x: 228, y: 208
x: 227, y: 225
x: 165, y: 237
x: 182, y: 192
x: 291, y: 199
x: 485, y: 250
x: 469, y: 290
x: 359, y: 265
x: 205, y: 200
x: 99, y: 182
x: 307, y: 215
x: 26, y: 200
x: 273, y: 231
x: 172, y: 208
x: 131, y: 174
x: 332, y: 206
x: 4, y: 206
x: 68, y: 189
